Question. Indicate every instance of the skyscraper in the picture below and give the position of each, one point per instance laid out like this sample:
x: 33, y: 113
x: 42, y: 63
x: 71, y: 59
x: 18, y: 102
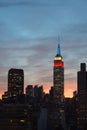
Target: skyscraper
x: 15, y: 82
x: 82, y: 98
x: 82, y: 80
x: 58, y: 75
x: 58, y: 86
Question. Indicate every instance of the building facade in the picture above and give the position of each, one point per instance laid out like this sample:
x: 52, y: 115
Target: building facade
x: 15, y: 82
x: 82, y: 98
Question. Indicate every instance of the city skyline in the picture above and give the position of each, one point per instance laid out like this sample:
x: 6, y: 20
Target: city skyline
x: 29, y: 33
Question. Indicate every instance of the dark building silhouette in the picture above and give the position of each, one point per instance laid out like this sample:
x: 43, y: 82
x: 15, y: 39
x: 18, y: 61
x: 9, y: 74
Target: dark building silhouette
x: 51, y: 92
x: 15, y: 82
x: 38, y: 91
x: 29, y: 91
x: 5, y: 95
x: 70, y: 113
x: 82, y: 98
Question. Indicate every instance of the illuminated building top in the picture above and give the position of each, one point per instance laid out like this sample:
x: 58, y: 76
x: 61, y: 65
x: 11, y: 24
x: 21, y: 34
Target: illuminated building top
x: 58, y: 60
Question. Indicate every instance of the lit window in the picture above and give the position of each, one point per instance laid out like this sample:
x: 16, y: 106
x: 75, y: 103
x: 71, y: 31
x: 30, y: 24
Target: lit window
x: 11, y: 121
x: 58, y: 58
x: 22, y: 121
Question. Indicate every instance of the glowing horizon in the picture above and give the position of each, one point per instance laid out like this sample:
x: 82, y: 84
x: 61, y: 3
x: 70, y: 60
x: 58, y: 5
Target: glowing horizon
x: 69, y: 87
x: 29, y: 38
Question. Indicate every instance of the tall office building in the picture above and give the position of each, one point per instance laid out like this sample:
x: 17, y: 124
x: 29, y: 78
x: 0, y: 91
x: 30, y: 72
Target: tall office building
x: 82, y: 98
x: 82, y: 80
x: 58, y: 114
x: 15, y: 82
x: 58, y: 75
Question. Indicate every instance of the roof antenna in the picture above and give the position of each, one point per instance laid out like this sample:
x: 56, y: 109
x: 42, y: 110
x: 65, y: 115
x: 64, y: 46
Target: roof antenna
x: 58, y: 48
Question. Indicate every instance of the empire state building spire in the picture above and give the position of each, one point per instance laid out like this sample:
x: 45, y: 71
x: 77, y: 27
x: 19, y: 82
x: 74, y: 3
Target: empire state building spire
x: 58, y: 48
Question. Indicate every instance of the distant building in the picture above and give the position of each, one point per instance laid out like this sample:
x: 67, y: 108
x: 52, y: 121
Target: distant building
x: 82, y: 98
x: 5, y: 95
x: 38, y: 91
x: 51, y: 92
x: 29, y: 91
x: 15, y: 82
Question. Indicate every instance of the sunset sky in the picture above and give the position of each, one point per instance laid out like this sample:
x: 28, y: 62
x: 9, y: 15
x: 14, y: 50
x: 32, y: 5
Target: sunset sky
x: 29, y: 31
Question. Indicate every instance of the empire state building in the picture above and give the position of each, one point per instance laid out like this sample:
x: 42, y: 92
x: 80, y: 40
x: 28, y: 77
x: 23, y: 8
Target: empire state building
x: 58, y: 77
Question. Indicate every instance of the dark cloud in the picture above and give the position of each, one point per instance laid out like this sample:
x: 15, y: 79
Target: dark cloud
x: 26, y: 3
x: 9, y: 4
x: 34, y: 4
